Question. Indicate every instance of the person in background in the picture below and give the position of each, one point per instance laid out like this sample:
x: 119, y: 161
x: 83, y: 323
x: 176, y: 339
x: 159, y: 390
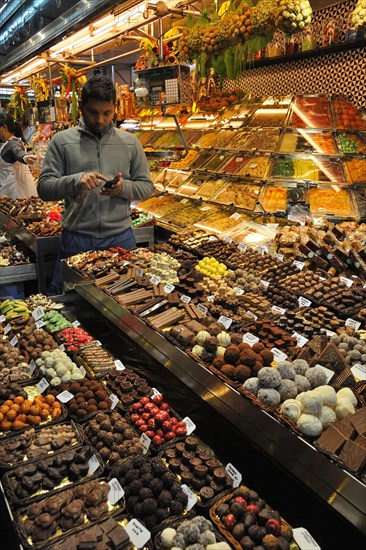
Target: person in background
x: 78, y: 163
x: 16, y: 180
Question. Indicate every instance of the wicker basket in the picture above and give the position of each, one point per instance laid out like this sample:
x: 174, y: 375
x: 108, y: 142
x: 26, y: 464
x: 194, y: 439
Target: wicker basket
x: 174, y: 523
x: 224, y: 378
x: 254, y: 399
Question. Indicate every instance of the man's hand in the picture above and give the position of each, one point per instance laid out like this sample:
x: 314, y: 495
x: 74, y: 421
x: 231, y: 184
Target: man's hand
x: 91, y: 180
x: 30, y: 159
x: 115, y: 189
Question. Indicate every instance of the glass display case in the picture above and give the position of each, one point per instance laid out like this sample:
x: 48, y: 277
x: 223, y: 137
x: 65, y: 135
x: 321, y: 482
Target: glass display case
x: 311, y: 112
x: 159, y: 205
x: 222, y: 221
x: 351, y: 142
x: 201, y: 186
x: 256, y: 167
x: 173, y: 180
x: 242, y: 195
x: 355, y: 169
x: 216, y: 161
x: 264, y: 139
x: 188, y: 214
x: 335, y: 202
x: 307, y: 141
x: 307, y: 168
x: 267, y: 118
x: 274, y: 198
x: 346, y: 116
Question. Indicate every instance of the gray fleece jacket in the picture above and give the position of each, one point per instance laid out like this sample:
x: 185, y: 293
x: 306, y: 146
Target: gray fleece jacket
x: 73, y: 152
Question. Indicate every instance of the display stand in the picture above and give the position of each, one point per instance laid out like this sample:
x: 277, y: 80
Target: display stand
x: 337, y: 488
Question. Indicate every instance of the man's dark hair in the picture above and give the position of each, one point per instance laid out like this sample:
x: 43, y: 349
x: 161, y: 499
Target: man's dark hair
x: 12, y: 125
x: 98, y: 87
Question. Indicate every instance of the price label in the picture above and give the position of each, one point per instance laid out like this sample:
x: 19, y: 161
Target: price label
x: 184, y: 201
x: 278, y: 355
x: 145, y: 442
x: 139, y: 272
x: 226, y: 321
x: 211, y: 298
x: 234, y: 474
x: 185, y: 299
x: 137, y: 533
x: 239, y: 159
x: 40, y: 324
x: 62, y: 347
x: 303, y: 302
x: 126, y: 263
x: 262, y: 249
x: 114, y: 401
x: 347, y: 282
x: 212, y: 238
x: 180, y: 250
x: 250, y: 339
x: 191, y: 426
x: 304, y: 540
x: 205, y: 208
x: 155, y: 280
x: 2, y: 318
x: 329, y: 332
x: 119, y: 365
x: 279, y: 257
x: 7, y: 328
x: 38, y: 313
x: 202, y: 309
x: 265, y: 283
x: 32, y: 366
x: 255, y: 317
x: 328, y: 373
x: 97, y: 343
x: 115, y: 491
x: 42, y: 385
x: 192, y: 499
x: 301, y: 340
x: 155, y: 392
x: 76, y: 323
x: 227, y: 240
x: 353, y: 324
x: 93, y: 464
x: 243, y: 247
x: 65, y: 396
x: 359, y: 371
x: 299, y: 265
x: 168, y: 288
x: 277, y: 309
x: 82, y: 370
x: 14, y: 341
x: 221, y: 157
x: 238, y: 291
x: 235, y: 216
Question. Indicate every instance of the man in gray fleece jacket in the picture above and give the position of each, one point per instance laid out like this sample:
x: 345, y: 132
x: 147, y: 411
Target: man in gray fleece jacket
x: 79, y: 161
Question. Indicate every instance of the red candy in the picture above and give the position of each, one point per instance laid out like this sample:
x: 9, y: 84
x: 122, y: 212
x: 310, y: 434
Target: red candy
x: 74, y: 338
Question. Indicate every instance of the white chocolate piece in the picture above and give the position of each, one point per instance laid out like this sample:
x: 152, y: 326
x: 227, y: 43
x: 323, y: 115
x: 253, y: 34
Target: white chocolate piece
x: 347, y: 393
x: 310, y: 425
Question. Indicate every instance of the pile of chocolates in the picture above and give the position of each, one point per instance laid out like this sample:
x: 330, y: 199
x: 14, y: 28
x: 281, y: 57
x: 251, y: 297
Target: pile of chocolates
x: 34, y: 342
x: 96, y: 360
x: 300, y: 283
x: 17, y: 373
x: 10, y: 356
x: 127, y: 385
x: 105, y: 534
x: 197, y: 467
x: 12, y: 390
x: 97, y: 263
x: 272, y: 336
x: 113, y: 437
x: 243, y: 361
x: 251, y: 261
x: 90, y: 396
x: 310, y: 321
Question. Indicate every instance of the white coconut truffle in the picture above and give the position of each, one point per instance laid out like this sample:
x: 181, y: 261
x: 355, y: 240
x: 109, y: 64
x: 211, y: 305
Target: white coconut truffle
x: 224, y: 339
x: 347, y: 393
x: 286, y: 370
x: 302, y: 383
x: 252, y: 385
x: 311, y: 403
x: 287, y: 390
x: 220, y: 351
x: 197, y: 350
x: 269, y: 377
x: 218, y: 546
x: 300, y: 366
x: 291, y: 409
x: 327, y: 417
x: 269, y: 397
x: 316, y: 377
x: 202, y: 337
x: 343, y: 408
x: 167, y: 536
x: 310, y: 425
x: 328, y: 395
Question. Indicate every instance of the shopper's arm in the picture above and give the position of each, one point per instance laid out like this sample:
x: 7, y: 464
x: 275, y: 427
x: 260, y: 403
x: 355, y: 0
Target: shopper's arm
x: 13, y: 152
x: 139, y: 187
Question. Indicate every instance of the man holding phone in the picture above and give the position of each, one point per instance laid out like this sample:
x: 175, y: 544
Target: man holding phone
x: 98, y: 170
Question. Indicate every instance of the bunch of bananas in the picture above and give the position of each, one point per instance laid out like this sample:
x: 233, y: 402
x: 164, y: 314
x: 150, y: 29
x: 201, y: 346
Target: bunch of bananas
x: 14, y: 308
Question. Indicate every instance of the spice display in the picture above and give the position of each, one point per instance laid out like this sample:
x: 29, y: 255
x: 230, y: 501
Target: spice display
x: 221, y: 221
x: 209, y: 187
x: 186, y: 162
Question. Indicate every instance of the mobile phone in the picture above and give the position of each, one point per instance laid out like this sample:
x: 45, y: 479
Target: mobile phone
x: 111, y: 182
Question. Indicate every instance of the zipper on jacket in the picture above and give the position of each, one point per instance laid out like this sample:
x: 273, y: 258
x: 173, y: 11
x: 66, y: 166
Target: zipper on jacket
x: 100, y: 202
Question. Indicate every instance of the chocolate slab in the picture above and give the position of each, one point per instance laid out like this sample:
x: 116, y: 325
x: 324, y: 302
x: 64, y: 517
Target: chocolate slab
x: 359, y: 421
x: 331, y: 440
x: 353, y: 456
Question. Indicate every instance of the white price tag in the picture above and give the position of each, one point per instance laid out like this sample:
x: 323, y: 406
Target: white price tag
x: 353, y: 324
x: 155, y: 392
x: 329, y: 332
x: 114, y: 400
x: 119, y: 365
x: 234, y: 474
x: 278, y: 355
x: 202, y: 309
x: 42, y: 385
x: 211, y: 298
x: 137, y: 533
x: 227, y: 240
x: 14, y: 341
x: 145, y: 442
x: 328, y: 373
x: 277, y: 309
x: 235, y: 216
x: 359, y: 371
x: 279, y: 257
x: 7, y: 328
x: 303, y: 302
x: 299, y: 265
x: 250, y: 339
x: 65, y: 396
x: 139, y: 272
x: 301, y: 340
x: 125, y: 262
x: 32, y: 366
x: 168, y: 288
x: 115, y: 491
x: 205, y: 208
x: 62, y: 347
x: 226, y: 321
x: 243, y: 247
x: 262, y: 249
x: 93, y: 464
x: 82, y: 370
x: 239, y: 159
x: 76, y: 323
x: 238, y: 291
x: 255, y: 317
x: 265, y: 283
x: 40, y: 324
x: 304, y: 540
x: 184, y: 201
x: 212, y: 238
x: 191, y: 426
x: 185, y: 299
x: 2, y: 318
x: 192, y: 499
x: 38, y: 313
x: 221, y: 157
x: 155, y: 280
x: 97, y: 343
x: 346, y: 281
